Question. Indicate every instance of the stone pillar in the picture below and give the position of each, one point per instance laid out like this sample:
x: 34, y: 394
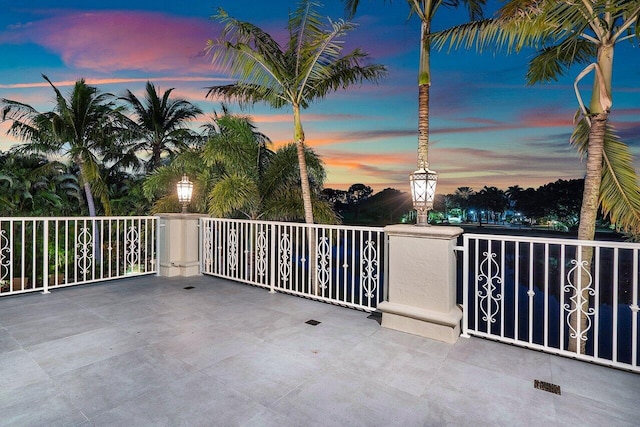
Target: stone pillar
x: 179, y: 251
x: 421, y: 284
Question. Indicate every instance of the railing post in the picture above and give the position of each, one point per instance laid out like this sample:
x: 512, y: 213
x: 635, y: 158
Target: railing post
x: 465, y: 288
x: 45, y: 256
x: 422, y: 282
x: 273, y: 256
x: 158, y: 243
x: 179, y: 253
x: 201, y: 244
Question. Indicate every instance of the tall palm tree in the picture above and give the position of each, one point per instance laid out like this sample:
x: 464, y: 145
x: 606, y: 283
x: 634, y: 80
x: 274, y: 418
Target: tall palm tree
x: 160, y: 123
x: 426, y: 11
x: 80, y: 127
x: 581, y: 33
x: 566, y: 34
x: 311, y: 66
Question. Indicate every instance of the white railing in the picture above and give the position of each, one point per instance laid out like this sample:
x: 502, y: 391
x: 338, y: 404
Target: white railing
x: 38, y: 254
x: 524, y: 291
x: 337, y: 264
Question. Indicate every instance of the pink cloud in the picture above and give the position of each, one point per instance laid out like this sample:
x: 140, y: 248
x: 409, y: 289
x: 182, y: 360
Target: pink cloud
x: 106, y: 81
x: 111, y: 41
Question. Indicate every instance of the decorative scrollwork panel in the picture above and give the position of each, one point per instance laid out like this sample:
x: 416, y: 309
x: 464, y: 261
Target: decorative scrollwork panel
x: 489, y: 281
x: 132, y: 242
x: 324, y: 264
x: 5, y: 256
x: 84, y: 246
x: 284, y: 261
x: 370, y: 268
x: 578, y: 313
x: 232, y: 249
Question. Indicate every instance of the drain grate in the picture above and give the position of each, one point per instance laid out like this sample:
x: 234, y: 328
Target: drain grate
x: 312, y: 322
x: 545, y: 386
x: 189, y: 287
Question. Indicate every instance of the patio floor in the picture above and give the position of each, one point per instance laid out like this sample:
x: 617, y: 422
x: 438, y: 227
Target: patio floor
x: 146, y: 351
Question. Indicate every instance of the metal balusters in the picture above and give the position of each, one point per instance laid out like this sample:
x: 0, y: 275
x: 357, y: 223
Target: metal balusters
x: 608, y: 287
x: 342, y: 267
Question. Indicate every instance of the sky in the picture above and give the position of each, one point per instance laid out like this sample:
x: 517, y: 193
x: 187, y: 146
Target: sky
x: 486, y: 126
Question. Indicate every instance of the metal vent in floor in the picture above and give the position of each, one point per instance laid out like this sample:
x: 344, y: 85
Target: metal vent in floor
x: 312, y: 322
x: 545, y: 386
x: 189, y: 287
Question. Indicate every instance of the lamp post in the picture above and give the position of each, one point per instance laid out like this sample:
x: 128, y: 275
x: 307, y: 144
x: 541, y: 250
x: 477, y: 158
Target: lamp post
x: 423, y: 192
x: 185, y: 191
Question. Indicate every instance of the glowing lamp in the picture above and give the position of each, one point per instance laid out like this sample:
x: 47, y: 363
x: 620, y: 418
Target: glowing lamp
x: 185, y: 191
x: 423, y: 192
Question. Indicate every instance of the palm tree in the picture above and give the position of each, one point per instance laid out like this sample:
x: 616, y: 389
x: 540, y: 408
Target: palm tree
x: 160, y: 123
x: 512, y: 194
x: 426, y: 10
x: 257, y: 182
x: 237, y: 175
x: 462, y: 195
x: 80, y: 127
x: 567, y: 34
x: 34, y: 186
x: 311, y: 66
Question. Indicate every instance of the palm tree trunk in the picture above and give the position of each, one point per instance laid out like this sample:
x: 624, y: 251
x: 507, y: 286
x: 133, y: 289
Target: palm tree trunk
x: 306, y: 199
x: 582, y: 278
x: 424, y: 82
x: 302, y: 163
x: 599, y: 106
x: 91, y: 205
x: 154, y: 162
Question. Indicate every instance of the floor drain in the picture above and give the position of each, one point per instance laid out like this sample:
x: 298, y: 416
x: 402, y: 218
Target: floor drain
x: 189, y: 287
x: 312, y: 322
x: 545, y: 386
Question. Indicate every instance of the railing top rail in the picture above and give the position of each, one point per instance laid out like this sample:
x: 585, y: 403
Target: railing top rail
x: 299, y: 224
x: 79, y: 218
x: 554, y: 240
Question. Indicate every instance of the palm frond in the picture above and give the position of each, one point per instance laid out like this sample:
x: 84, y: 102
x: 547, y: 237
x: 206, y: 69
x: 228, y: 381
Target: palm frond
x: 552, y: 62
x: 236, y: 144
x: 304, y: 25
x: 287, y: 206
x: 247, y: 94
x: 168, y: 203
x: 235, y: 192
x: 247, y: 52
x: 619, y: 190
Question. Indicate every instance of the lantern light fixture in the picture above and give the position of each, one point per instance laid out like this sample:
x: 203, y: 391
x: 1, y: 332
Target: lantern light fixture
x: 185, y: 191
x: 423, y: 192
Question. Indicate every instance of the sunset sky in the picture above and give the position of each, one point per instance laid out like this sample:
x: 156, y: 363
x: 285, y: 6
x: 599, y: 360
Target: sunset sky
x: 487, y: 127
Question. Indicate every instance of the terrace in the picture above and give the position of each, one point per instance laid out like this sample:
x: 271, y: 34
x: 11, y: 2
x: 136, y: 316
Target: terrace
x: 147, y: 351
x: 139, y: 349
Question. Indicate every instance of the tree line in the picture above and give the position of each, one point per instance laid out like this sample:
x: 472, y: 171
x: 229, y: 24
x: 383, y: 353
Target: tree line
x: 558, y: 201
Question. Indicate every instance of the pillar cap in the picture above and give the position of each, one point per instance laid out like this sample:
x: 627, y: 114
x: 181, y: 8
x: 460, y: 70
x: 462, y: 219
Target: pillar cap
x: 167, y: 215
x: 431, y: 232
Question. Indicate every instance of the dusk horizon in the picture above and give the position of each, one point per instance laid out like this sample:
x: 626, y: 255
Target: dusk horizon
x: 487, y: 127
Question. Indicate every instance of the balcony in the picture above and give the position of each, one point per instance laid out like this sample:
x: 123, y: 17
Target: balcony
x: 206, y: 351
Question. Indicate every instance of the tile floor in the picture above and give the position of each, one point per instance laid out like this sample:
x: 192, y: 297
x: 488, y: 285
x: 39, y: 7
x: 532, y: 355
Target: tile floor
x: 147, y: 352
